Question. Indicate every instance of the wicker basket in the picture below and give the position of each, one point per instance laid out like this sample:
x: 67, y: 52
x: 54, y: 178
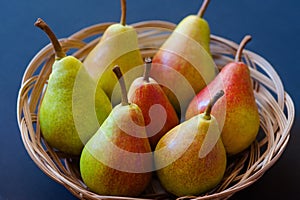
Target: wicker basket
x: 275, y: 107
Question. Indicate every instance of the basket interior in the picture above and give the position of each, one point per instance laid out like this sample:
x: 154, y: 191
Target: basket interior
x: 276, y: 111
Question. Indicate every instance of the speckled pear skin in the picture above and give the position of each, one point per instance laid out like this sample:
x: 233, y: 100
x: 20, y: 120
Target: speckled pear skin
x: 167, y: 59
x: 120, y: 44
x: 56, y: 116
x: 197, y: 28
x: 104, y: 179
x: 145, y: 95
x: 242, y: 118
x: 190, y: 174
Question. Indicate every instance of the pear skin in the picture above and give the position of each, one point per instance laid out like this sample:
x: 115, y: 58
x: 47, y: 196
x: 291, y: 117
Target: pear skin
x: 100, y: 161
x: 56, y: 113
x: 242, y: 119
x: 200, y: 34
x: 187, y: 52
x: 189, y: 173
x: 241, y: 123
x: 118, y: 46
x: 158, y: 112
x: 115, y: 161
x: 148, y: 94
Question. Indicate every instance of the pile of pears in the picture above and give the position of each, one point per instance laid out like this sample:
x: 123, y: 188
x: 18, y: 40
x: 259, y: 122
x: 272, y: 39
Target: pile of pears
x: 115, y: 111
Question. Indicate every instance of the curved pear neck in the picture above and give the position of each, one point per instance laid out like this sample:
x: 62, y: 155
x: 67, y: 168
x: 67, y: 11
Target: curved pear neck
x: 238, y: 56
x: 117, y: 29
x: 59, y: 53
x: 211, y: 103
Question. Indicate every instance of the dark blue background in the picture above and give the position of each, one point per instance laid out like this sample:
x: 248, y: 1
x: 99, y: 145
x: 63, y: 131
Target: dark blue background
x: 274, y: 25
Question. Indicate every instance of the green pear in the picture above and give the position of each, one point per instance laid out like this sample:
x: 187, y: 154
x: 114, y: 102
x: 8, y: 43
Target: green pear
x: 113, y: 161
x: 59, y: 105
x: 185, y: 56
x: 191, y: 158
x: 236, y: 112
x: 118, y: 46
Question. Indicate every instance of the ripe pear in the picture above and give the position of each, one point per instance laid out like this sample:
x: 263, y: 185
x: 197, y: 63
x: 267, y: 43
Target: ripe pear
x: 191, y: 157
x: 59, y: 105
x: 185, y: 56
x: 118, y: 46
x: 241, y: 122
x: 158, y: 112
x: 113, y: 161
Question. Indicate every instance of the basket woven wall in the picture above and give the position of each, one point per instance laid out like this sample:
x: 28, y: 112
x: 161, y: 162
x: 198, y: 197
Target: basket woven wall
x: 275, y: 107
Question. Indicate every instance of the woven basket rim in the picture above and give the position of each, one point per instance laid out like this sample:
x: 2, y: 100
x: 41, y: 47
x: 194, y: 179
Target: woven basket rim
x: 278, y: 113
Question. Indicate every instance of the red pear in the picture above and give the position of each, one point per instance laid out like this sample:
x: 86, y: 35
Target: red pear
x: 236, y: 111
x: 158, y: 112
x: 183, y: 65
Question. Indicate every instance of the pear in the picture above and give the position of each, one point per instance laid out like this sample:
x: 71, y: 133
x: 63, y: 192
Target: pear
x: 183, y: 65
x: 241, y: 123
x: 118, y: 46
x: 115, y: 161
x: 59, y: 108
x: 158, y: 112
x: 191, y: 157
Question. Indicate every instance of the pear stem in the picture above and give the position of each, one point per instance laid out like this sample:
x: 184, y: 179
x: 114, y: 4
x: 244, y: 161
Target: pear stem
x: 148, y: 62
x: 211, y: 103
x: 120, y: 77
x: 123, y: 15
x: 238, y: 55
x: 203, y: 8
x: 59, y: 53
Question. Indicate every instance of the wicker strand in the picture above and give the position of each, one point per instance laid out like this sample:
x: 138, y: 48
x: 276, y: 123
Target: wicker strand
x: 276, y: 111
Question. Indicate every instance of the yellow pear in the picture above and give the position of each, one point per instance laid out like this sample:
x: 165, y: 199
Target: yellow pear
x: 118, y: 46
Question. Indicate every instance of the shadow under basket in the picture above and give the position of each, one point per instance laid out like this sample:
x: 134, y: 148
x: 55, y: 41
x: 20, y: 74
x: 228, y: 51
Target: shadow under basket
x: 276, y: 111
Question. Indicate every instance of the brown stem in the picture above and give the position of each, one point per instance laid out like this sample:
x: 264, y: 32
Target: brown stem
x: 148, y: 62
x: 56, y: 45
x: 120, y: 77
x: 203, y: 8
x: 123, y: 15
x: 238, y: 55
x: 211, y: 103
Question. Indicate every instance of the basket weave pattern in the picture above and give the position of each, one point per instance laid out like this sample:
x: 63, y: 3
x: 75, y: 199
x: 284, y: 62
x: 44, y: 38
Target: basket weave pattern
x: 275, y: 107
